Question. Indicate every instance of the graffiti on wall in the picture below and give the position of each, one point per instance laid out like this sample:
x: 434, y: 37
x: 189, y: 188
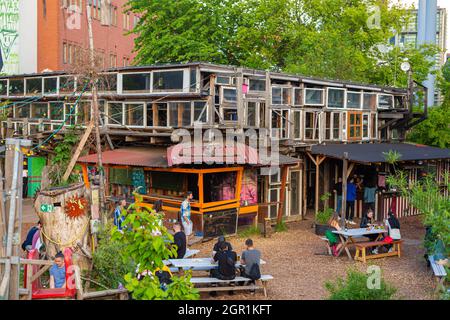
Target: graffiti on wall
x: 9, y: 35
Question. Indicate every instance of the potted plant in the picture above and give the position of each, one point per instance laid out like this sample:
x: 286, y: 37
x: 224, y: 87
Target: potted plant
x: 322, y: 217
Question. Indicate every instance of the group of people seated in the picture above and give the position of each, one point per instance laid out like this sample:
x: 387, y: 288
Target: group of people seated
x: 392, y: 225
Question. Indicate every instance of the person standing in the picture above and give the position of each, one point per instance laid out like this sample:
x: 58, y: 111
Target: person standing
x: 369, y: 197
x: 118, y: 213
x: 351, y: 197
x: 186, y: 214
x: 27, y: 245
x: 338, y: 190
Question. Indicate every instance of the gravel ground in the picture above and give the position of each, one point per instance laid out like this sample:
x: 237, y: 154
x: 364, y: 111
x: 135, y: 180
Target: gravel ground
x: 297, y: 261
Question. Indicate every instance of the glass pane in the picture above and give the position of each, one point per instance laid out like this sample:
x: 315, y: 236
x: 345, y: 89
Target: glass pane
x: 273, y: 198
x: 139, y: 82
x: 168, y: 80
x: 286, y: 96
x: 353, y: 100
x: 149, y: 114
x: 297, y: 125
x: 365, y: 126
x: 39, y: 110
x: 34, y: 86
x: 223, y: 80
x: 84, y: 112
x: 108, y: 82
x: 16, y: 87
x: 50, y: 85
x: 198, y: 111
x: 251, y: 114
x: 370, y: 101
x: 3, y: 87
x: 22, y: 111
x: 336, y: 125
x: 385, y: 101
x: 193, y: 80
x: 115, y: 113
x: 66, y: 84
x: 295, y: 194
x: 70, y: 112
x: 229, y: 95
x: 134, y: 114
x: 230, y: 114
x: 335, y: 98
x: 56, y: 111
x: 313, y: 97
x: 162, y: 115
x: 276, y: 96
x: 173, y: 111
x: 257, y: 85
x: 298, y: 98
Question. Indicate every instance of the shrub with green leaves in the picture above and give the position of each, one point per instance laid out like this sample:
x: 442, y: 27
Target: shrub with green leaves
x: 355, y: 287
x: 109, y: 267
x: 324, y: 215
x: 148, y: 249
x: 250, y: 231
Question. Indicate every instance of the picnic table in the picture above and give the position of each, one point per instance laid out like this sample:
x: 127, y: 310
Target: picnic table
x: 348, y: 236
x: 199, y: 264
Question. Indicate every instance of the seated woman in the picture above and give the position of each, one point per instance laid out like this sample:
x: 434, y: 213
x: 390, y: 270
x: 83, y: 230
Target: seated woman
x: 367, y: 221
x: 393, y: 228
x: 332, y: 238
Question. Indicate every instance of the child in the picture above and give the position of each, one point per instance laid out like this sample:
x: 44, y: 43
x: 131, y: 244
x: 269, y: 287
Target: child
x: 58, y: 272
x: 332, y: 238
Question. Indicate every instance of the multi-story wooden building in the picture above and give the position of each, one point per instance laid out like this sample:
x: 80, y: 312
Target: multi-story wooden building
x: 144, y: 105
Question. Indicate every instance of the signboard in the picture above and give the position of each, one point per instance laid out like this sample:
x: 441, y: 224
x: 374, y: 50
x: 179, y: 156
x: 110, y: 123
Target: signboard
x: 47, y: 208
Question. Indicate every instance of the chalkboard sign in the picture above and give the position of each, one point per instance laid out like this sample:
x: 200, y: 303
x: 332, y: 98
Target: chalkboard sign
x: 219, y: 223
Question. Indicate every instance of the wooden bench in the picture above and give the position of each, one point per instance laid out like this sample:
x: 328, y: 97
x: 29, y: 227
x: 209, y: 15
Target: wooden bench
x: 199, y: 281
x: 439, y: 272
x: 361, y: 250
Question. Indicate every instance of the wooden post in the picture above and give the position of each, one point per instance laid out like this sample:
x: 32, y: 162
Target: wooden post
x: 284, y: 171
x: 78, y: 151
x: 240, y: 98
x: 212, y: 98
x: 344, y: 188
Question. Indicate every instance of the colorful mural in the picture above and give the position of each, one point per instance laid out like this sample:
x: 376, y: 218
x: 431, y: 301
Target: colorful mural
x: 9, y: 35
x: 249, y: 190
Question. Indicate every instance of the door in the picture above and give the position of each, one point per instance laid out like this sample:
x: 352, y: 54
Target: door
x: 295, y: 194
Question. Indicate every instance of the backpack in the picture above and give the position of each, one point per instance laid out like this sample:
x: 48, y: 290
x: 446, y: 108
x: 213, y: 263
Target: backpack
x: 164, y: 277
x: 255, y: 273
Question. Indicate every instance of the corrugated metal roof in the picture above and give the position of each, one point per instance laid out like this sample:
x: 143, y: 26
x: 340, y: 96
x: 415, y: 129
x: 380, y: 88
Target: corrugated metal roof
x: 156, y: 157
x: 375, y: 152
x: 138, y: 157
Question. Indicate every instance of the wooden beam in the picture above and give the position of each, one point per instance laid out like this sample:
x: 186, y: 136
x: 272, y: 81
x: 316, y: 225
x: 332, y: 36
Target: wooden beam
x: 78, y: 151
x: 284, y: 171
x: 344, y: 189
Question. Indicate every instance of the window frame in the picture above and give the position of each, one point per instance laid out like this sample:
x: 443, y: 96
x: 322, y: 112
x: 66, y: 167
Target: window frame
x: 350, y: 125
x: 344, y: 99
x: 283, y: 103
x: 361, y: 100
x: 257, y: 113
x: 317, y: 115
x: 186, y: 81
x: 378, y: 101
x: 314, y: 104
x: 144, y: 114
x: 120, y: 88
x: 284, y: 127
x: 256, y: 91
x: 57, y: 86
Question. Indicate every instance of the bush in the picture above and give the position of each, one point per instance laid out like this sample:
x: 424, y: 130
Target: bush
x: 322, y: 217
x: 248, y: 232
x: 109, y: 268
x: 355, y: 288
x: 281, y: 226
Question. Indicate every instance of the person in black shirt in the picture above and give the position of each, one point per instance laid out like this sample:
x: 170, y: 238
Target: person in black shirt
x: 179, y: 239
x: 227, y: 265
x: 217, y: 244
x: 227, y: 261
x: 27, y: 244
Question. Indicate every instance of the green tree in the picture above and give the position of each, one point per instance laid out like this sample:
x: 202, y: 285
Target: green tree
x: 340, y: 39
x: 148, y: 249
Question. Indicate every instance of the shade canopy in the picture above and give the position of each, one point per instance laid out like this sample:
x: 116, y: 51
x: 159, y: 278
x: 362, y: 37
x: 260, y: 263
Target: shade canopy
x: 376, y: 152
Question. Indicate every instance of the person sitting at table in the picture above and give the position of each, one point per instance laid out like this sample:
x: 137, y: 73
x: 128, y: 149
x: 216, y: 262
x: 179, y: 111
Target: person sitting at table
x: 217, y: 244
x: 331, y: 237
x: 226, y: 265
x: 366, y: 222
x: 393, y: 227
x: 179, y: 239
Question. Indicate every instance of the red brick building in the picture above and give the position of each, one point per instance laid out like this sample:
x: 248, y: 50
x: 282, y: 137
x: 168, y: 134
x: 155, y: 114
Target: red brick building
x: 62, y: 30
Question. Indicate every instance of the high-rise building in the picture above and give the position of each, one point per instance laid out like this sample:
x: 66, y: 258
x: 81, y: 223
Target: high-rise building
x: 37, y: 35
x: 409, y: 38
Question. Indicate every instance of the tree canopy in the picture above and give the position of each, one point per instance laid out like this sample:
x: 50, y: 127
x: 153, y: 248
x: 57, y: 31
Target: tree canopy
x: 339, y: 39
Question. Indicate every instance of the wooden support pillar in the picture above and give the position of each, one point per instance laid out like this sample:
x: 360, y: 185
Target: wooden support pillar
x: 284, y: 171
x: 345, y: 174
x: 212, y: 99
x: 240, y: 98
x: 317, y: 161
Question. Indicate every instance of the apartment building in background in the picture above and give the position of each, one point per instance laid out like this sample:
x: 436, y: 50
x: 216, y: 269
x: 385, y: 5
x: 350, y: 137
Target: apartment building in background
x: 38, y: 35
x: 408, y: 38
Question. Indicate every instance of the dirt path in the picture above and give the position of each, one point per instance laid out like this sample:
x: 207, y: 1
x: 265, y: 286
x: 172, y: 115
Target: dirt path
x: 296, y: 259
